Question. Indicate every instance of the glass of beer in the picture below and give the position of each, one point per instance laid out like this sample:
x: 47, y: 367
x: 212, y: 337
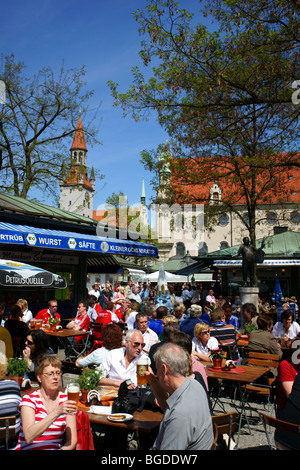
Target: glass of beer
x: 73, y: 391
x: 141, y: 368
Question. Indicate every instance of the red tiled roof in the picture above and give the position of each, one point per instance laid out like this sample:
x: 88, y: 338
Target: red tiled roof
x: 190, y: 189
x: 79, y: 139
x: 74, y: 174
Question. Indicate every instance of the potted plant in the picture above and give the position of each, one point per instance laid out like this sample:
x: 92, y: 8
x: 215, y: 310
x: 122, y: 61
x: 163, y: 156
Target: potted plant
x: 217, y: 355
x: 250, y: 327
x: 53, y: 322
x: 16, y: 369
x: 88, y: 380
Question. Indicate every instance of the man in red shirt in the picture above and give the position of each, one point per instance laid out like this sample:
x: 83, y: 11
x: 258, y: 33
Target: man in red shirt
x: 82, y: 320
x: 48, y: 313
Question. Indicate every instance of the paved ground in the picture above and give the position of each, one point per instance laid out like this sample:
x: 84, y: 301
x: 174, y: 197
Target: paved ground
x: 257, y: 440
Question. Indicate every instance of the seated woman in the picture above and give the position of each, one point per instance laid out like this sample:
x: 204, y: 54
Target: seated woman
x: 36, y: 346
x: 112, y: 337
x: 287, y: 327
x: 10, y: 398
x: 48, y: 418
x: 26, y: 314
x: 203, y: 343
x: 262, y: 339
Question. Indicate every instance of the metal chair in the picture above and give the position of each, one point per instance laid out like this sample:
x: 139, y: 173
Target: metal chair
x: 96, y: 328
x: 7, y: 429
x: 277, y: 424
x: 226, y: 424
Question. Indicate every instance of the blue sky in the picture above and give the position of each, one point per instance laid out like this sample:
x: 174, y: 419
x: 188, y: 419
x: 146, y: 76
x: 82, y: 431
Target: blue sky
x: 103, y: 36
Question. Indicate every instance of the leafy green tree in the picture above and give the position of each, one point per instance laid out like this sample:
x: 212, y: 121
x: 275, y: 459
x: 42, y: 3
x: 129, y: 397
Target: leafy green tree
x: 37, y: 121
x: 223, y: 95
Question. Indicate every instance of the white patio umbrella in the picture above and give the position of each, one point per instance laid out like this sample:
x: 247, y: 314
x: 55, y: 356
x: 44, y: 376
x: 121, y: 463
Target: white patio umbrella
x: 17, y: 274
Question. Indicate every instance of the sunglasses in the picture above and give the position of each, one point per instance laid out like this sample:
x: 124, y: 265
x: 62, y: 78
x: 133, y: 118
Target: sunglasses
x: 205, y: 332
x: 136, y: 345
x: 30, y: 343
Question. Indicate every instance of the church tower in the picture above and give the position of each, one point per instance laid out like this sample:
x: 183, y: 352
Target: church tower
x: 77, y: 191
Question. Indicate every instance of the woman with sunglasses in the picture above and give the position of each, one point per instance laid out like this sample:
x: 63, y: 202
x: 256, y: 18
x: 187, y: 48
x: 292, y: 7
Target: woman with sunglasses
x: 36, y: 346
x: 48, y: 418
x: 203, y: 343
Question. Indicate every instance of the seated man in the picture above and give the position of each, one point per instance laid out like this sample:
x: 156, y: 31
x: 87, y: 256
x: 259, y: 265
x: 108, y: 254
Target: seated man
x: 225, y: 334
x: 46, y: 314
x: 187, y: 423
x: 120, y: 364
x: 81, y: 321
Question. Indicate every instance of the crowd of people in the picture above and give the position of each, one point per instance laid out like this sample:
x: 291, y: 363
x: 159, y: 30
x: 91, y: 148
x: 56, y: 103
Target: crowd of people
x: 134, y: 324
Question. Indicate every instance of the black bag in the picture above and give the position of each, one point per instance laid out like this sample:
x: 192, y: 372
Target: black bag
x: 128, y: 401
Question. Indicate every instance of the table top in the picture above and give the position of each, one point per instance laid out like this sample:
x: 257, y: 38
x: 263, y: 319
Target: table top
x: 143, y: 421
x: 249, y: 374
x: 65, y: 332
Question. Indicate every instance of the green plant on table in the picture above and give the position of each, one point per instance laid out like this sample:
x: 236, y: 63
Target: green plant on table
x: 16, y: 367
x: 89, y: 378
x: 53, y: 321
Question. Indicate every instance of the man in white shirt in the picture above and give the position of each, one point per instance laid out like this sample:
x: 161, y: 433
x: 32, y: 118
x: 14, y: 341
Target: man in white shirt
x: 135, y: 295
x: 150, y: 337
x: 120, y: 364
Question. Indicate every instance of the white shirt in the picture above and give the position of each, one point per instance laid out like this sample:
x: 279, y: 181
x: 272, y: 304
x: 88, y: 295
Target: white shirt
x: 150, y: 338
x: 136, y: 297
x: 278, y: 330
x: 96, y: 357
x: 94, y: 292
x: 212, y: 343
x: 27, y: 316
x: 114, y: 367
x: 130, y: 320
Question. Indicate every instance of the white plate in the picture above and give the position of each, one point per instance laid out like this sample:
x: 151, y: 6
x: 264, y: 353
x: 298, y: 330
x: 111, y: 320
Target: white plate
x: 127, y: 417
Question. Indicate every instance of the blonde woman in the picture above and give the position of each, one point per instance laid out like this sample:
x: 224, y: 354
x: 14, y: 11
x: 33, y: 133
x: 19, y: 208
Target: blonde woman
x: 26, y: 314
x: 202, y: 342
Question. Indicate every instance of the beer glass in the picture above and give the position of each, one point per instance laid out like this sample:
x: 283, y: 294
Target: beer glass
x: 141, y: 368
x: 73, y: 391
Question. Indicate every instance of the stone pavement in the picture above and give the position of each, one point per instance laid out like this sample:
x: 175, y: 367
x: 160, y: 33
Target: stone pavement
x: 257, y: 440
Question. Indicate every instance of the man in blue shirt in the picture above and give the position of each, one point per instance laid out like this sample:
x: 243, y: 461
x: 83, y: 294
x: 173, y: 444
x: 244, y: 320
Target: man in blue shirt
x: 230, y: 319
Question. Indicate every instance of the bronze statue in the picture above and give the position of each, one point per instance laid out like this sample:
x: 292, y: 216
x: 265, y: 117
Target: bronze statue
x: 250, y: 256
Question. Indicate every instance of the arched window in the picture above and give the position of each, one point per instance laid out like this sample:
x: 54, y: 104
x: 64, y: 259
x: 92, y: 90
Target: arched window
x: 180, y: 249
x: 202, y: 248
x: 224, y: 245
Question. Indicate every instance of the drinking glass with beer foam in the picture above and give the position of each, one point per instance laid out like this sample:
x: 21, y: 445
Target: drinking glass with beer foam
x: 73, y: 391
x: 141, y: 368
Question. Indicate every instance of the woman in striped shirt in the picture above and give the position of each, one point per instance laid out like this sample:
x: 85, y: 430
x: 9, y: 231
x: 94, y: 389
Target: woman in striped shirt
x: 46, y: 419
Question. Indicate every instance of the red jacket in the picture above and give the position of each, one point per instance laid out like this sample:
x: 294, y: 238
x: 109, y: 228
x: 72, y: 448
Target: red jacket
x: 84, y: 433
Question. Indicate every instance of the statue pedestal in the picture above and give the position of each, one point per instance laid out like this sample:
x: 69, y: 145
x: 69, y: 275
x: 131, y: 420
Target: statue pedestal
x: 249, y: 294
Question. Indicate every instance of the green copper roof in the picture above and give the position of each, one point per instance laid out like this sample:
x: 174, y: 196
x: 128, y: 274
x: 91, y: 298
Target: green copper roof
x: 24, y: 206
x: 286, y: 244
